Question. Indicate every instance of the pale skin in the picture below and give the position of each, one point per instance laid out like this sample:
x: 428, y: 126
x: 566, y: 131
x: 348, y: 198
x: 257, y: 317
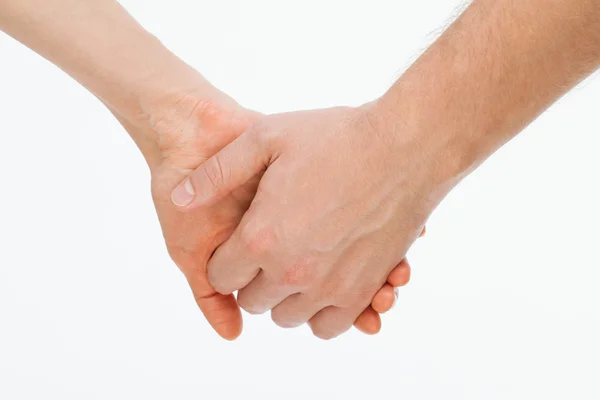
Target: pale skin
x: 177, y: 119
x: 326, y: 226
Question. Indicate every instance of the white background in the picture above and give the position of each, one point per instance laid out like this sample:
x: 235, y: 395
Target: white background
x: 504, y: 297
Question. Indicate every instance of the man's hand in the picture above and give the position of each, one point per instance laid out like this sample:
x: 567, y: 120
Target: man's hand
x: 338, y: 206
x: 345, y: 191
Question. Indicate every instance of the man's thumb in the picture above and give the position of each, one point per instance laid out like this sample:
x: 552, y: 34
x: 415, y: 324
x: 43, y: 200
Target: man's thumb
x: 232, y: 167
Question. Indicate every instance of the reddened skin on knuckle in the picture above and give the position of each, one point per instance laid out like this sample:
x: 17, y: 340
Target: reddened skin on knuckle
x: 300, y: 274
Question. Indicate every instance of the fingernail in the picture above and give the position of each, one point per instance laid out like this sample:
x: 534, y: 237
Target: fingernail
x: 396, y: 292
x: 183, y: 194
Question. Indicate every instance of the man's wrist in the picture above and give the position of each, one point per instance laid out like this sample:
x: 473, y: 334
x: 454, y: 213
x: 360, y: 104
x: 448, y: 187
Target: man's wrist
x: 439, y: 155
x: 493, y: 72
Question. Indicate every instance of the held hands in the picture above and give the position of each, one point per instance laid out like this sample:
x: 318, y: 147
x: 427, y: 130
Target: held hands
x: 178, y: 120
x: 306, y: 214
x: 190, y: 129
x: 339, y: 203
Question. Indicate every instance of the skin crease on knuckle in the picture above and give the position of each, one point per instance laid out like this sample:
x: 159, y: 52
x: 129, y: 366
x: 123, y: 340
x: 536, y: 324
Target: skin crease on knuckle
x: 214, y: 172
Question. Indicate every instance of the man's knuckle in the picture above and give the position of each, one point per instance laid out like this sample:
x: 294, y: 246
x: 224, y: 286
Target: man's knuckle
x: 259, y: 241
x: 331, y: 290
x: 299, y: 274
x: 340, y: 300
x: 336, y: 293
x: 216, y: 282
x: 259, y: 127
x: 250, y: 306
x: 213, y: 171
x: 352, y: 297
x: 264, y: 135
x: 282, y: 320
x: 323, y: 332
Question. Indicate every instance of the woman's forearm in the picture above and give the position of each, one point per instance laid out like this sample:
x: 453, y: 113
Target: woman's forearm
x: 99, y: 44
x: 500, y: 65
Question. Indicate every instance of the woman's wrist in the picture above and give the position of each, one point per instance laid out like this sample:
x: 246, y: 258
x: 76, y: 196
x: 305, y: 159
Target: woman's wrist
x: 100, y: 45
x: 95, y: 41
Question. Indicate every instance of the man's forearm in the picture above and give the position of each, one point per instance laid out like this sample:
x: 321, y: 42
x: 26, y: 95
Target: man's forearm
x: 500, y: 65
x: 98, y: 43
